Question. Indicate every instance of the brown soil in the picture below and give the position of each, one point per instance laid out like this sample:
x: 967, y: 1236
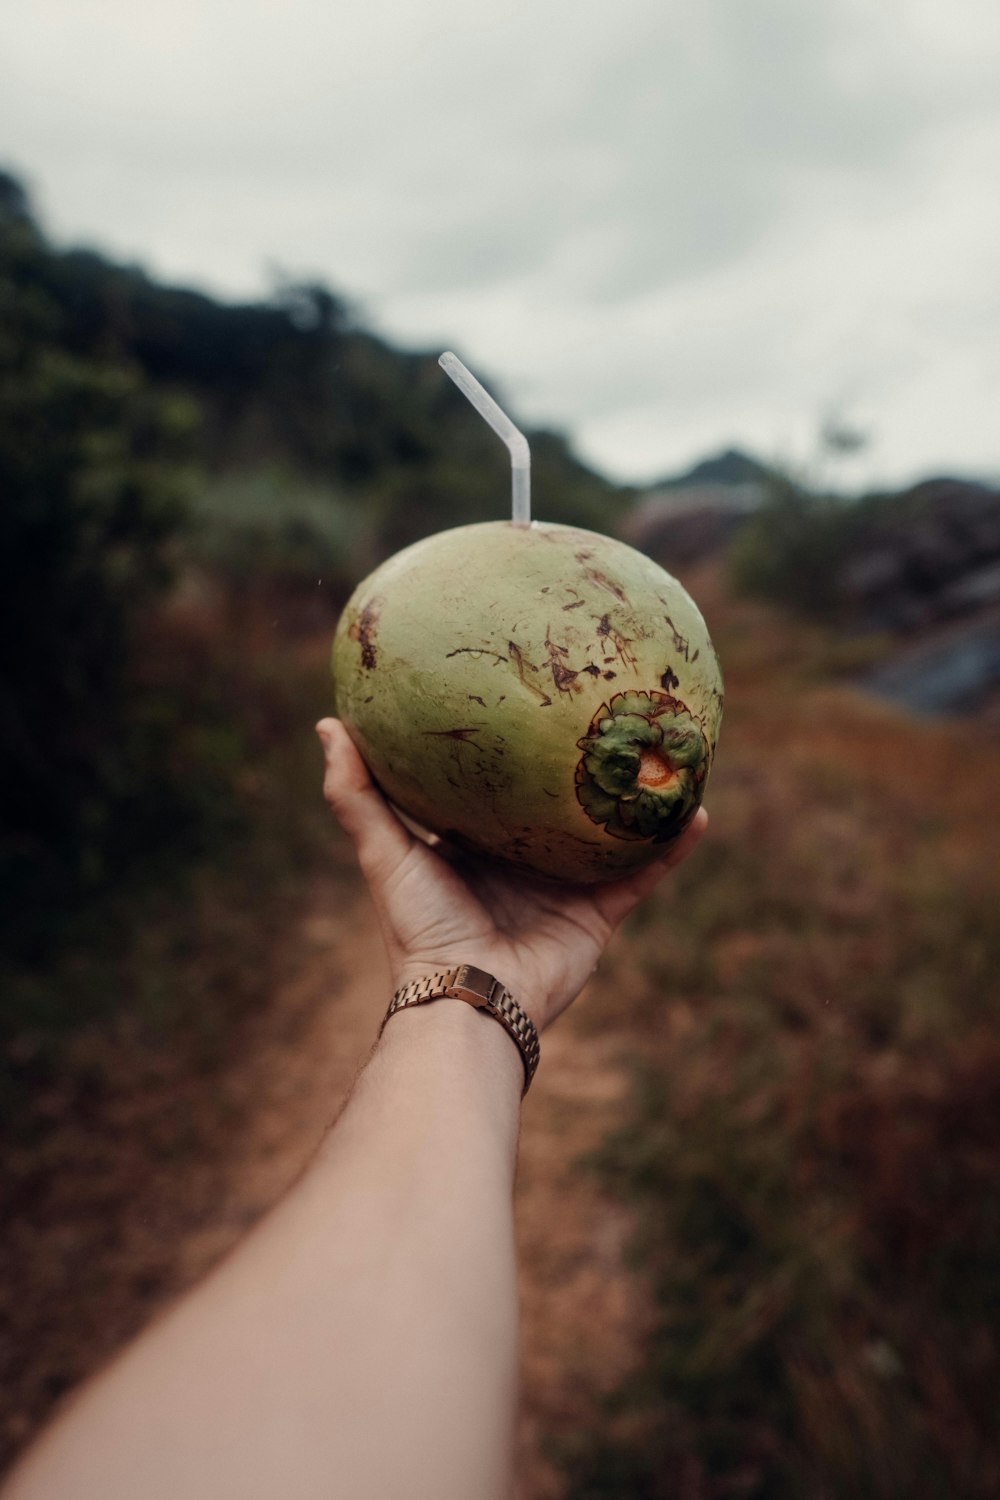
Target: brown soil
x: 173, y: 1171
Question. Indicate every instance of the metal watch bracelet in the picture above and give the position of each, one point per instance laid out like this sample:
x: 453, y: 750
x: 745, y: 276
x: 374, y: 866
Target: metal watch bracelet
x: 483, y: 991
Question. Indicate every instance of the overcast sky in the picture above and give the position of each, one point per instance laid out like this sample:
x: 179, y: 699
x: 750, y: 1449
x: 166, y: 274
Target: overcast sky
x: 662, y: 227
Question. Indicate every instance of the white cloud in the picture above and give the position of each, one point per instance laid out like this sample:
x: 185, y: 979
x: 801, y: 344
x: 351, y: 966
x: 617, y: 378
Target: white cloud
x: 664, y: 227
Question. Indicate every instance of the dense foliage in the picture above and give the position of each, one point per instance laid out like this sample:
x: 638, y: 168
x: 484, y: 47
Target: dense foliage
x: 90, y: 503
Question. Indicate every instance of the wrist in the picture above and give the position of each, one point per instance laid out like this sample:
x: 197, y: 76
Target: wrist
x: 464, y: 1042
x: 483, y: 991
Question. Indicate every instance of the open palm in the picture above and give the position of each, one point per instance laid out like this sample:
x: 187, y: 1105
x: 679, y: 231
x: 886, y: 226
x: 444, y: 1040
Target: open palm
x: 542, y: 940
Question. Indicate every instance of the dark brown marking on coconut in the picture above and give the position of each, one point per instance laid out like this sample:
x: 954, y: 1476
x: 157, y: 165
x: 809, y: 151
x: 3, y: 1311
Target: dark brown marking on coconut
x: 575, y: 605
x: 609, y: 676
x: 620, y: 643
x: 584, y: 555
x: 364, y: 630
x: 669, y: 680
x: 587, y: 843
x: 475, y: 651
x: 696, y: 654
x: 594, y: 671
x: 681, y: 643
x: 475, y: 698
x: 370, y: 698
x: 602, y: 581
x: 523, y: 668
x: 563, y: 676
x: 462, y: 735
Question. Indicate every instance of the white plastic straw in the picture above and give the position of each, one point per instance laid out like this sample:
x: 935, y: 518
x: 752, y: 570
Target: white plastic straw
x: 517, y: 443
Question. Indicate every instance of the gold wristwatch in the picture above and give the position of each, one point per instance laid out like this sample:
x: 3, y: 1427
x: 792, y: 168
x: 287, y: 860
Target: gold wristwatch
x: 484, y: 992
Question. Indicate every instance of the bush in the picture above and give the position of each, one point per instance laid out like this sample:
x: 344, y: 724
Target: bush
x: 91, y: 507
x: 790, y: 552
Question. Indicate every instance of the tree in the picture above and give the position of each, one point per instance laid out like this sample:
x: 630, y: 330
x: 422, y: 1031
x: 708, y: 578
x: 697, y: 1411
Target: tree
x: 90, y: 504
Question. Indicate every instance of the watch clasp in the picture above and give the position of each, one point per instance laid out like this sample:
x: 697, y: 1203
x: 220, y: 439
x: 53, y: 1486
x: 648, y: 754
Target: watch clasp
x: 472, y: 985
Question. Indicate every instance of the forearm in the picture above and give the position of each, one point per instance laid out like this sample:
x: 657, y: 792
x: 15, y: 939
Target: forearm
x: 363, y: 1341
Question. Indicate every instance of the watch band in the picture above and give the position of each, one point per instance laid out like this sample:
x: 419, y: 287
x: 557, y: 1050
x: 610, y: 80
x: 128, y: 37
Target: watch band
x: 483, y: 991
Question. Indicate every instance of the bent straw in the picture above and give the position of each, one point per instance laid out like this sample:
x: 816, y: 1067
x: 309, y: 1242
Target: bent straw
x: 517, y: 443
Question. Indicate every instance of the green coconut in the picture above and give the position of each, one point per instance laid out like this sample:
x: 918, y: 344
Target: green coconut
x: 542, y: 694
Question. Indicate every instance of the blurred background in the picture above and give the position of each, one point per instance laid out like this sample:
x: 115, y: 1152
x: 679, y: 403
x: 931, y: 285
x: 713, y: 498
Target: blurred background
x: 735, y: 269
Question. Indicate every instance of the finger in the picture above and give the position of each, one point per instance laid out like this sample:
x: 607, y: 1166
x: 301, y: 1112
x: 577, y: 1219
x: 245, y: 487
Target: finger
x: 379, y: 838
x: 616, y: 900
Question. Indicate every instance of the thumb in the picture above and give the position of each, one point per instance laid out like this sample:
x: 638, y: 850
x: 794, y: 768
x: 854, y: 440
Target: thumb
x: 379, y: 838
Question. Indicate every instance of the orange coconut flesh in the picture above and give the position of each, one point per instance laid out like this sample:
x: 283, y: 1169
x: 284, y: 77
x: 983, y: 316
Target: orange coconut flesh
x: 654, y: 772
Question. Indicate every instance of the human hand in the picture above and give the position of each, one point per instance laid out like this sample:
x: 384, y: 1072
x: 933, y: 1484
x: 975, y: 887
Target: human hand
x: 540, y: 939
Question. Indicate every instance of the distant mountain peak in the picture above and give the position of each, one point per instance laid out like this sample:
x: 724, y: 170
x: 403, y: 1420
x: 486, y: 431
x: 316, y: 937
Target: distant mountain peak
x: 731, y: 466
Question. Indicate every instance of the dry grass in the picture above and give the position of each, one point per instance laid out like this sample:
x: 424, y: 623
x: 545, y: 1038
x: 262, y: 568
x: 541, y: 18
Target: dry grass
x: 814, y: 1152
